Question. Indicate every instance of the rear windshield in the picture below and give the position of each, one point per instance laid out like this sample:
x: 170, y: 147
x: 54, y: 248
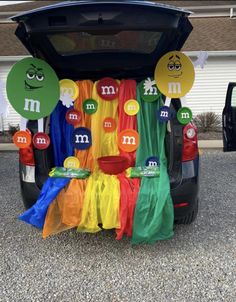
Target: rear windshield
x: 75, y: 43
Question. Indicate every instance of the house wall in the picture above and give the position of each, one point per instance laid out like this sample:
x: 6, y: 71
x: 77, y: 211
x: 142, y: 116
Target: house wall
x: 13, y: 118
x: 207, y: 94
x: 210, y: 86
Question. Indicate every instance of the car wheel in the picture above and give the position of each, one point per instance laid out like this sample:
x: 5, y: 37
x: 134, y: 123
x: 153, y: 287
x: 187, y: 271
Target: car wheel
x: 190, y: 217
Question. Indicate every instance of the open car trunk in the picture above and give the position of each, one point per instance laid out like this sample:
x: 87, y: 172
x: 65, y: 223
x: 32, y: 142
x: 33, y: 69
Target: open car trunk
x: 94, y: 39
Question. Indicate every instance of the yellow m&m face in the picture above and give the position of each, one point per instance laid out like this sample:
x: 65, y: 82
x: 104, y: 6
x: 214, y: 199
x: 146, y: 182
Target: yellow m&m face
x: 174, y: 74
x: 71, y: 162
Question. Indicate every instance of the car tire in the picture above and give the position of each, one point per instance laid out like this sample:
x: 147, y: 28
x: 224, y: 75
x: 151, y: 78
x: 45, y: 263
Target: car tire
x: 190, y: 217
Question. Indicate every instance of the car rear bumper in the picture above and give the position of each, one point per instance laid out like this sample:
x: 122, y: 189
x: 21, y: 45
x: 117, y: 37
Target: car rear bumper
x: 188, y: 189
x: 185, y: 192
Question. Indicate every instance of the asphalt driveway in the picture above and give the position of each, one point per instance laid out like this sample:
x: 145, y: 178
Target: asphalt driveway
x: 198, y: 264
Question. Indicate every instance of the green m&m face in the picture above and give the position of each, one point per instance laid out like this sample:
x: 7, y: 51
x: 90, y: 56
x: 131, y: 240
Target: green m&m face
x: 33, y: 88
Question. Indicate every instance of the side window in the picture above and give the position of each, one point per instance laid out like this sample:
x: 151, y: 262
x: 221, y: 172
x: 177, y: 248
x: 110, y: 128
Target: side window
x: 233, y: 98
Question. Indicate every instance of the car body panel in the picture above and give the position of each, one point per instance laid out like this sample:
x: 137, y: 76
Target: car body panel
x: 229, y: 119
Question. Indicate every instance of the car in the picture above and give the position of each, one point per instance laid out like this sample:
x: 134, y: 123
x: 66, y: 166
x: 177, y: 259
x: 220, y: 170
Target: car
x: 229, y: 119
x: 159, y: 28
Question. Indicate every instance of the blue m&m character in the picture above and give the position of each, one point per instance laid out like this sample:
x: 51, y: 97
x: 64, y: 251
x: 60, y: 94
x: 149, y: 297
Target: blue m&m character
x: 152, y: 161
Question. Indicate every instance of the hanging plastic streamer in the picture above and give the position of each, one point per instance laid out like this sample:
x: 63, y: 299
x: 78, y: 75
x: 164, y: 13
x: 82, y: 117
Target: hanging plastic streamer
x: 65, y: 211
x: 102, y: 195
x: 62, y: 147
x: 61, y: 133
x: 104, y: 143
x: 153, y: 218
x: 129, y: 188
x: 37, y: 213
x: 85, y: 156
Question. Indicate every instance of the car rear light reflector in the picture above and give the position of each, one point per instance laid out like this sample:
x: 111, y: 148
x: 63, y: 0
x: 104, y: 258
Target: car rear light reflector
x: 190, y: 133
x: 181, y: 205
x: 27, y: 156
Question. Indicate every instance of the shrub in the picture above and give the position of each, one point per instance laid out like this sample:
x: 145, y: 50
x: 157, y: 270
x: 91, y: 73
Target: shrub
x: 208, y: 121
x: 13, y: 129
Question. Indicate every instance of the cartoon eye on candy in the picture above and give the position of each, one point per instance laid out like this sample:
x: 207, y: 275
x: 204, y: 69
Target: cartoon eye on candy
x: 34, y: 77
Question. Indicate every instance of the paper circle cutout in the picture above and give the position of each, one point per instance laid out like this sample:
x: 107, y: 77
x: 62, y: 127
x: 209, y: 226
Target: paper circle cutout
x: 22, y: 139
x: 69, y: 87
x: 149, y: 91
x: 108, y: 89
x: 71, y: 162
x: 41, y: 141
x: 131, y: 107
x: 164, y: 114
x: 128, y: 140
x: 81, y: 138
x: 174, y: 74
x: 90, y: 106
x: 152, y: 161
x: 109, y: 124
x: 33, y: 88
x: 73, y: 117
x: 184, y: 115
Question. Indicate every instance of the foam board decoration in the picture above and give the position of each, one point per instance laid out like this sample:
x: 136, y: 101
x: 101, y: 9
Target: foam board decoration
x: 71, y: 162
x: 109, y: 124
x: 184, y: 115
x: 152, y: 161
x: 73, y: 117
x: 131, y: 107
x: 22, y: 139
x: 149, y: 91
x: 201, y: 59
x: 108, y: 89
x: 81, y: 138
x: 41, y: 141
x: 69, y: 91
x: 174, y: 74
x: 33, y: 88
x: 163, y: 114
x: 90, y: 106
x: 128, y: 140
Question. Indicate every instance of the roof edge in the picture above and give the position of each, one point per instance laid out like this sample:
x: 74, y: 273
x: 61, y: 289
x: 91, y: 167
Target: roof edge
x: 81, y: 2
x: 212, y: 53
x: 194, y: 53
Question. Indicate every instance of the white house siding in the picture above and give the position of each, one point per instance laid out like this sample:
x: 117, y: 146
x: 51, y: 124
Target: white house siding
x: 207, y: 94
x: 13, y: 118
x: 210, y: 86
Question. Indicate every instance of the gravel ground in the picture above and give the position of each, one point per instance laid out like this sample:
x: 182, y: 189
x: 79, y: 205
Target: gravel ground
x: 198, y: 264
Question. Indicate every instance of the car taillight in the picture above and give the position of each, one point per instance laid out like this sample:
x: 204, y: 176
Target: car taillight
x: 27, y: 156
x: 190, y: 143
x: 181, y: 205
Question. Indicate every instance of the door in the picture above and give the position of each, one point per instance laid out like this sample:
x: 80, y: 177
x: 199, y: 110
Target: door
x: 93, y: 39
x: 229, y: 119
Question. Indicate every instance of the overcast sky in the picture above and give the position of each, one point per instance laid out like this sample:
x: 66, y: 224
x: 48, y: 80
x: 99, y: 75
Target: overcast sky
x: 11, y: 2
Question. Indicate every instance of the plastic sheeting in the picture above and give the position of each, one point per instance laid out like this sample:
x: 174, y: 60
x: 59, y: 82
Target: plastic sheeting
x: 60, y: 132
x: 37, y: 213
x: 154, y: 215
